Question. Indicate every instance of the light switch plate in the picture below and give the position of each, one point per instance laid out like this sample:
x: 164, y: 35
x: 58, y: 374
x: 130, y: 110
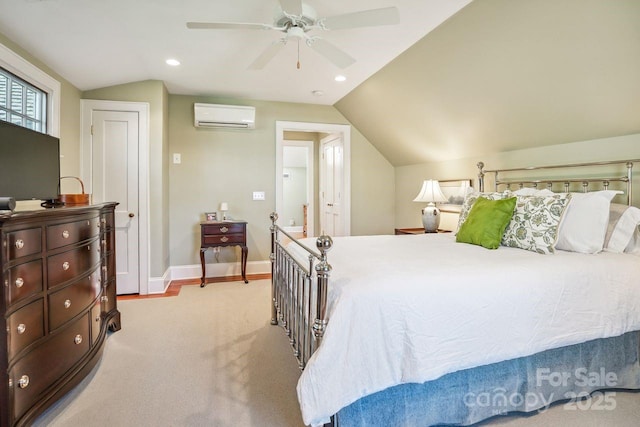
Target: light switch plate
x: 177, y: 158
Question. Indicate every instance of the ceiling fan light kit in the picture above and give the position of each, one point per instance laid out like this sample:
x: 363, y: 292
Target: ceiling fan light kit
x: 295, y: 19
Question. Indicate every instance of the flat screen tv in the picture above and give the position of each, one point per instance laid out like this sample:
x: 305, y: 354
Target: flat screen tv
x: 29, y: 163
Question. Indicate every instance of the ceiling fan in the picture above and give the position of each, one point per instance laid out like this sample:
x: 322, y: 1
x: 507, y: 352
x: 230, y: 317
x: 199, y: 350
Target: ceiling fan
x: 296, y: 19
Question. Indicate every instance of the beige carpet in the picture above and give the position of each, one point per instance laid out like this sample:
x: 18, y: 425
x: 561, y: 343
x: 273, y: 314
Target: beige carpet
x: 209, y: 357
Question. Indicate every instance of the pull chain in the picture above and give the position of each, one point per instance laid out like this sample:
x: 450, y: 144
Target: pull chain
x: 298, y: 64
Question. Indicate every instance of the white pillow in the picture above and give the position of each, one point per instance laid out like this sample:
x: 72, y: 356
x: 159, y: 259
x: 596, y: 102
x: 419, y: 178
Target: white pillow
x: 634, y: 245
x: 624, y: 221
x: 584, y: 225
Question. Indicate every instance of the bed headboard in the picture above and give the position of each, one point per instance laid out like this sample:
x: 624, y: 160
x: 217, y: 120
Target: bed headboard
x: 585, y: 174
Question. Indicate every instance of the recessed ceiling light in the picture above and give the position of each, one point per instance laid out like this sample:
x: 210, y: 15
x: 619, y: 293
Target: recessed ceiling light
x: 317, y: 92
x: 172, y: 62
x: 340, y: 78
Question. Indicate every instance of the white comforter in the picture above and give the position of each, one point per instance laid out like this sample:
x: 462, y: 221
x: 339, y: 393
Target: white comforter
x: 412, y: 308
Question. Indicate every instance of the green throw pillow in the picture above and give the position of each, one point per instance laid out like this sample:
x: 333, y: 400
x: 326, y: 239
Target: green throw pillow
x: 486, y: 222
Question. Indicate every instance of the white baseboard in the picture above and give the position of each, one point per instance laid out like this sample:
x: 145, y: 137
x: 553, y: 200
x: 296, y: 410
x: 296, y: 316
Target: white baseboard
x: 159, y: 285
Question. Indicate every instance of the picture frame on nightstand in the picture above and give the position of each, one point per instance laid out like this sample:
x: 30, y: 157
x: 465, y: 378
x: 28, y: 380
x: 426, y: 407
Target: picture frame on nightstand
x: 211, y: 216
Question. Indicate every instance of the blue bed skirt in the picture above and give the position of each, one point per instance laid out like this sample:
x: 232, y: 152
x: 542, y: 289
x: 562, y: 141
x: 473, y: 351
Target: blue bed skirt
x: 520, y: 385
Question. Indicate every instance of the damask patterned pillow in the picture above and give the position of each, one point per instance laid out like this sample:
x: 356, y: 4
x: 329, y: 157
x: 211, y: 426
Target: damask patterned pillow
x: 471, y: 198
x: 535, y: 222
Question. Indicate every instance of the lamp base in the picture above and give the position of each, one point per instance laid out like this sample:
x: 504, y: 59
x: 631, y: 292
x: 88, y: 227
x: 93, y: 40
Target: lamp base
x: 431, y: 219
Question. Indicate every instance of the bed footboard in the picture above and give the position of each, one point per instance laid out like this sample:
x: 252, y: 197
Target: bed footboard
x: 299, y: 281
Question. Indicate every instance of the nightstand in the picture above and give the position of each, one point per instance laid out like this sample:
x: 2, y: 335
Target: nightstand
x: 416, y: 231
x: 223, y: 233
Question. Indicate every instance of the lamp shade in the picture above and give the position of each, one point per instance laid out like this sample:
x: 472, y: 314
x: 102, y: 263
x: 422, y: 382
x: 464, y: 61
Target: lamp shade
x: 224, y: 206
x: 430, y: 192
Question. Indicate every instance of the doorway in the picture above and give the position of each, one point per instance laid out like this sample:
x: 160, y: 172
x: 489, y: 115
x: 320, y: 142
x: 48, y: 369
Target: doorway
x: 113, y: 168
x: 297, y: 188
x: 314, y: 220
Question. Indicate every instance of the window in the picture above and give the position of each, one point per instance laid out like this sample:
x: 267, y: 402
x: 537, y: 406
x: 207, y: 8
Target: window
x: 29, y: 76
x: 21, y: 103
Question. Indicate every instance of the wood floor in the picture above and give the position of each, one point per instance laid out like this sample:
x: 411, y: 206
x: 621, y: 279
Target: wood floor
x: 175, y: 285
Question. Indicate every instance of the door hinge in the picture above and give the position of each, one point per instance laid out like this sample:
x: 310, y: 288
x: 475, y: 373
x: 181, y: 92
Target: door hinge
x: 91, y: 130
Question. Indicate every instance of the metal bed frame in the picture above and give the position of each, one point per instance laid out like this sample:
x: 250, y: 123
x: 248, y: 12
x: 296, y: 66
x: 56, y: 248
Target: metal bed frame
x: 299, y: 291
x: 297, y: 305
x: 566, y: 182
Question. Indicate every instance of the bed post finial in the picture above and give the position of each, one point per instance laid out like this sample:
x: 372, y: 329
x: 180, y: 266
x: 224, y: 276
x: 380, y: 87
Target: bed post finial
x: 480, y: 166
x: 323, y: 270
x: 272, y: 257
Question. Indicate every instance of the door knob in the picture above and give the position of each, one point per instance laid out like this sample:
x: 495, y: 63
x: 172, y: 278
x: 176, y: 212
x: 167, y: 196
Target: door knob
x: 131, y: 214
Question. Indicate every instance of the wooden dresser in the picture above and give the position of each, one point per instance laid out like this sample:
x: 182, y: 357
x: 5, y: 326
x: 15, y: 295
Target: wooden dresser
x: 59, y: 299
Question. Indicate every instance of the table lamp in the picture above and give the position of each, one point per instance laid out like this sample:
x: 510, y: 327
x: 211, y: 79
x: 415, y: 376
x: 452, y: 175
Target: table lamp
x: 430, y: 193
x: 224, y: 207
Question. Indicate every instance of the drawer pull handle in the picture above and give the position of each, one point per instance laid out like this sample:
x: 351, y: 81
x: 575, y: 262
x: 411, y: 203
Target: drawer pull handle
x: 19, y: 282
x: 24, y: 381
x: 223, y: 229
x: 67, y: 303
x: 65, y: 234
x: 98, y: 318
x: 88, y: 223
x: 224, y: 239
x: 19, y: 244
x: 21, y: 328
x: 104, y: 298
x: 77, y: 339
x: 65, y: 265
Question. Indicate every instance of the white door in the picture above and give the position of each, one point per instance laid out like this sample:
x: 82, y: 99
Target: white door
x: 114, y: 177
x: 332, y: 174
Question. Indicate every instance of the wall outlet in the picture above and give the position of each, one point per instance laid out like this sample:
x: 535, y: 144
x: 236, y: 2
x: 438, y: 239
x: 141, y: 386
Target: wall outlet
x: 177, y: 158
x: 258, y: 195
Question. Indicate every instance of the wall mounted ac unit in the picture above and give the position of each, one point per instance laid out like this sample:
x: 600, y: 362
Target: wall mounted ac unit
x: 224, y: 116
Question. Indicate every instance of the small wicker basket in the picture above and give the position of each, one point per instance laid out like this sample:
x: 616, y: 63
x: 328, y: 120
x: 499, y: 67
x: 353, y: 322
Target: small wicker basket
x: 74, y: 199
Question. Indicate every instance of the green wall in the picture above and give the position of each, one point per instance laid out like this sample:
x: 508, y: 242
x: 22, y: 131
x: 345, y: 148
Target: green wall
x: 228, y: 165
x: 409, y: 178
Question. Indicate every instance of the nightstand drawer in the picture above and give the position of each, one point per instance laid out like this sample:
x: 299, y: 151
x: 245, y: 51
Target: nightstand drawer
x: 222, y: 229
x: 224, y: 239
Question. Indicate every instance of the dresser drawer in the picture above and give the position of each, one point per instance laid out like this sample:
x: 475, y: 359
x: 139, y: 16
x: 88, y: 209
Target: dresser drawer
x: 95, y: 317
x: 72, y: 232
x: 109, y: 297
x: 23, y: 280
x: 225, y: 239
x: 68, y: 265
x: 223, y: 228
x: 71, y: 300
x: 25, y: 326
x: 33, y: 373
x: 24, y: 242
x: 107, y: 220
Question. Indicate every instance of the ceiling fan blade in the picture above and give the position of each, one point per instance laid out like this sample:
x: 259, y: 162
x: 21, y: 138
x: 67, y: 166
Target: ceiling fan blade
x: 331, y: 52
x: 266, y: 56
x: 227, y: 26
x: 365, y: 18
x: 292, y: 7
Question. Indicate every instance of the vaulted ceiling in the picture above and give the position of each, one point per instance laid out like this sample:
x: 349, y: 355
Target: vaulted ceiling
x: 502, y: 75
x: 469, y: 78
